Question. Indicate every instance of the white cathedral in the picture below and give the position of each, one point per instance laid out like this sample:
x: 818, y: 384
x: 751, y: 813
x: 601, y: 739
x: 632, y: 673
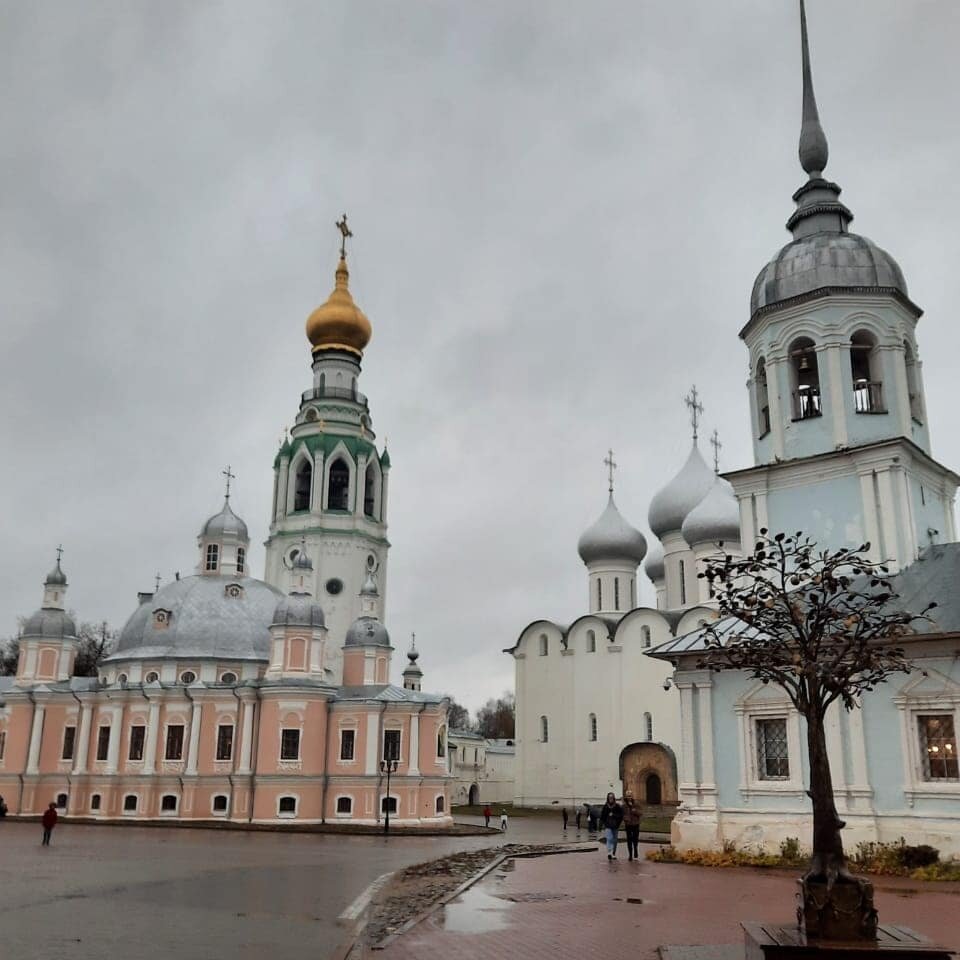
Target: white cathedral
x: 842, y: 452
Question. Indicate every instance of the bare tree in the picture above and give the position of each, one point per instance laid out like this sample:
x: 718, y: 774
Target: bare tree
x: 97, y: 641
x: 824, y: 626
x: 458, y: 716
x: 495, y: 719
x: 9, y: 656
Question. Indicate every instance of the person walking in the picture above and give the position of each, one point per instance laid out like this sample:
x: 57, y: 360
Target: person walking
x: 579, y: 818
x: 3, y: 807
x: 49, y: 821
x: 503, y: 821
x: 487, y: 814
x: 611, y: 816
x: 631, y: 824
x: 566, y: 818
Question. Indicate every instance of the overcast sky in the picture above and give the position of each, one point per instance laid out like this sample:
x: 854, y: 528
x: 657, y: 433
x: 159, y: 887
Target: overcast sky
x: 559, y: 210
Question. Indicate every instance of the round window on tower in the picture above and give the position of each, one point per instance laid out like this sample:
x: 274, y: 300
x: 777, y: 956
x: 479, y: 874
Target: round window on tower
x: 334, y: 586
x: 152, y: 676
x: 371, y: 561
x: 292, y: 556
x: 188, y: 676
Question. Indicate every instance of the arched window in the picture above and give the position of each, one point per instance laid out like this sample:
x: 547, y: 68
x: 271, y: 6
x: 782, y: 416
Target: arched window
x: 593, y: 727
x: 599, y: 594
x: 633, y: 593
x: 287, y: 806
x: 168, y: 803
x: 213, y: 556
x: 616, y: 593
x: 338, y: 490
x: 95, y: 802
x: 442, y: 742
x: 804, y: 379
x: 591, y: 642
x: 369, y: 488
x: 322, y: 383
x: 388, y: 804
x: 544, y: 645
x: 683, y: 583
x: 241, y: 559
x: 648, y: 726
x: 130, y: 803
x: 301, y: 486
x: 763, y: 398
x: 344, y: 805
x: 645, y: 637
x: 62, y: 801
x: 544, y: 730
x: 913, y: 383
x: 439, y: 805
x: 220, y: 803
x: 864, y: 368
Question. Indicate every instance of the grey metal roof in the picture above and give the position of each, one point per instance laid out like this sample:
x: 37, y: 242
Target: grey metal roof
x: 670, y: 506
x: 610, y: 537
x: 389, y: 693
x: 203, y: 621
x: 716, y: 518
x: 50, y: 623
x: 367, y: 631
x: 298, y: 609
x: 225, y: 524
x: 933, y: 578
x: 57, y: 576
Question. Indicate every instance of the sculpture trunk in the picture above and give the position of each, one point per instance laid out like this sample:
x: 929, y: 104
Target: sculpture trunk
x: 834, y: 905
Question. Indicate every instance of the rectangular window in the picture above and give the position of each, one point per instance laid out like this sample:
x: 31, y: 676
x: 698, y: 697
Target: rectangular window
x: 773, y: 762
x: 3, y: 743
x: 225, y: 741
x: 213, y: 556
x: 174, y: 749
x: 103, y: 743
x: 289, y: 744
x: 344, y: 805
x: 616, y: 593
x: 391, y: 744
x: 137, y: 736
x: 388, y: 805
x: 599, y: 594
x: 683, y: 583
x: 69, y: 739
x: 938, y: 747
x: 241, y: 559
x: 348, y: 740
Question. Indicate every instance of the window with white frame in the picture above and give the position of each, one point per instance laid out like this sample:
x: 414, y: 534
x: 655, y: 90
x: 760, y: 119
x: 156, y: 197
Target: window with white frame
x: 174, y: 746
x: 220, y: 803
x: 95, y: 802
x: 290, y: 743
x: 442, y: 742
x: 213, y: 556
x: 344, y: 806
x: 103, y: 743
x: 348, y: 744
x: 69, y: 739
x: 168, y: 803
x: 439, y: 806
x: 130, y: 803
x: 773, y: 755
x: 938, y: 746
x: 645, y: 637
x: 225, y: 741
x: 391, y: 745
x: 287, y: 806
x: 137, y: 736
x: 241, y: 559
x: 388, y: 805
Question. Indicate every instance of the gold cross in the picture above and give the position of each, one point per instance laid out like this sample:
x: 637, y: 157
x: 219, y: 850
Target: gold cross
x: 344, y: 233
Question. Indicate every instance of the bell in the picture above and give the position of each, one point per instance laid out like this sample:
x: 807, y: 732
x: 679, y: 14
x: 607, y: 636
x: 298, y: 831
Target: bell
x: 804, y: 362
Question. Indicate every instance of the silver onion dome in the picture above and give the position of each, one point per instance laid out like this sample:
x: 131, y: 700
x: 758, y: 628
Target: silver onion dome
x: 715, y: 519
x: 366, y: 632
x: 300, y: 610
x: 655, y: 568
x: 225, y: 524
x: 669, y: 508
x: 612, y: 538
x: 56, y: 577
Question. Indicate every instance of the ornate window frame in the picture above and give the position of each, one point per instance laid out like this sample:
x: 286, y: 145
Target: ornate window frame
x: 748, y: 711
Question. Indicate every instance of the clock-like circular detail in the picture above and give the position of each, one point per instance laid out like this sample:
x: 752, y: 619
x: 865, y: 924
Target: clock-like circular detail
x: 334, y: 586
x: 371, y: 561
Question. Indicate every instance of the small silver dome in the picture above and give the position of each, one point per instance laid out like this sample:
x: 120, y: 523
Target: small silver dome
x: 669, y: 508
x: 56, y: 577
x: 715, y: 519
x: 655, y: 568
x: 202, y: 616
x: 49, y: 624
x: 298, y: 609
x: 225, y: 524
x: 826, y: 259
x: 365, y: 632
x: 612, y: 538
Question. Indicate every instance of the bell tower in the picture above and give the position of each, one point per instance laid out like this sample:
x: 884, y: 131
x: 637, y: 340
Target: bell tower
x: 330, y: 479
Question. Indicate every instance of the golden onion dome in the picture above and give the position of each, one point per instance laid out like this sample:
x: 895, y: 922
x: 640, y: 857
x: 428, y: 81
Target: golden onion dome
x: 339, y: 324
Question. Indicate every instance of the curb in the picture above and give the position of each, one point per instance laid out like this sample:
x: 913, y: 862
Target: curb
x: 469, y: 882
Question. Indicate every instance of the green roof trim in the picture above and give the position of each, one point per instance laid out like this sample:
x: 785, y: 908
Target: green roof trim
x: 327, y: 443
x: 385, y: 459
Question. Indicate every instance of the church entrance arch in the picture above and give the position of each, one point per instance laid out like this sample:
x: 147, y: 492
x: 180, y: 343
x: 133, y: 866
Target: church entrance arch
x: 474, y: 798
x: 649, y: 771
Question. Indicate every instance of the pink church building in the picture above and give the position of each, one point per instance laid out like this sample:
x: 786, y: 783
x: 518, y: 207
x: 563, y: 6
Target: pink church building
x: 230, y: 698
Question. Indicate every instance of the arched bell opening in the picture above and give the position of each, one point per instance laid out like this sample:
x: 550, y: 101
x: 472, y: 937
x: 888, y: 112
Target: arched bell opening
x: 805, y: 379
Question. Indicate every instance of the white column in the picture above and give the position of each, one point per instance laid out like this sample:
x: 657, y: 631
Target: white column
x: 316, y: 493
x: 858, y: 749
x: 871, y: 531
x: 361, y: 485
x: 688, y: 766
x: 414, y: 759
x: 888, y: 518
x: 194, y: 749
x: 705, y: 704
x: 83, y: 744
x: 36, y: 736
x: 113, y: 754
x: 373, y: 744
x: 836, y: 380
x: 246, y: 744
x: 774, y: 378
x: 152, y: 732
x: 282, y: 488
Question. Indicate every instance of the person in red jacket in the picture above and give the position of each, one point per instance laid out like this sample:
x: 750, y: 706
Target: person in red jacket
x: 487, y: 814
x: 49, y: 822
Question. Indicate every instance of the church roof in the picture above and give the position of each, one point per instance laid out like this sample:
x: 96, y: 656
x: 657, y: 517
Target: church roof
x: 49, y: 623
x: 716, y: 518
x: 610, y: 537
x: 669, y: 508
x: 225, y: 523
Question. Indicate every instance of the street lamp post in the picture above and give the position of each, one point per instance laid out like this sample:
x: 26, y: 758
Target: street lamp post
x: 387, y: 767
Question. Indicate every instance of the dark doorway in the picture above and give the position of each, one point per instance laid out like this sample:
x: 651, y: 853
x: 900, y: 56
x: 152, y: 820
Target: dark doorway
x: 653, y: 789
x: 474, y: 795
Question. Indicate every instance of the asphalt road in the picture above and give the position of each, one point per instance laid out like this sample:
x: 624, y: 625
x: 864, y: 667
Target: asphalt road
x: 146, y: 893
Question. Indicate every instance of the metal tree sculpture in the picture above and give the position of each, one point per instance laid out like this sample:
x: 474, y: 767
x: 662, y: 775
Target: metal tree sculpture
x: 824, y: 626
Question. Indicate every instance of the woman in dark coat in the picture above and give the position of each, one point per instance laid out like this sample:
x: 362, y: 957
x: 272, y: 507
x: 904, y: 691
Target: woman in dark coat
x: 611, y: 816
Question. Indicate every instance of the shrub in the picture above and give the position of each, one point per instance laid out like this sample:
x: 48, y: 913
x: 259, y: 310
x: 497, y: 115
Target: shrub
x: 790, y: 850
x: 922, y: 855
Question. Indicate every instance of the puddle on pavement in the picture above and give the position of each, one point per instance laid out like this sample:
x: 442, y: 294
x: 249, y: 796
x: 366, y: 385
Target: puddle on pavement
x: 475, y: 911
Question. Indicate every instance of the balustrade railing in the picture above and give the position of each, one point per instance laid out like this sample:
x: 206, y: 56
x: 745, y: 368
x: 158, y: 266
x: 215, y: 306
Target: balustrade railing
x: 868, y: 396
x: 806, y: 404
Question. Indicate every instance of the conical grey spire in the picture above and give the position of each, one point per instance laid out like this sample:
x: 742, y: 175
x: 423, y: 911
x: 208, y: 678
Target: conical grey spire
x: 813, y: 141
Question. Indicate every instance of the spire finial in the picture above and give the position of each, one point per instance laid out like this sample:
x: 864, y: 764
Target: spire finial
x: 156, y: 582
x: 692, y: 400
x: 344, y: 233
x: 611, y: 465
x: 230, y: 476
x: 716, y: 444
x: 813, y: 141
x: 59, y: 553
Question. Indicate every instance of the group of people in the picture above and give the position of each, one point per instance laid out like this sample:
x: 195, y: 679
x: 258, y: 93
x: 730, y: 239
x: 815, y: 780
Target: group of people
x: 488, y: 813
x: 610, y: 817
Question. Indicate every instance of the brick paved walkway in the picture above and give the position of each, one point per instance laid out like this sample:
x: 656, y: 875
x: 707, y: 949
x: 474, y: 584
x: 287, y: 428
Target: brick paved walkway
x: 576, y: 907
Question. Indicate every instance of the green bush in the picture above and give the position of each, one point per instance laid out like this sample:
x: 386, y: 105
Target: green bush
x: 922, y: 855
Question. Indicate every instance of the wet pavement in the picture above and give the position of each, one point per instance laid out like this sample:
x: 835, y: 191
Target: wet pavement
x: 579, y: 906
x: 146, y: 893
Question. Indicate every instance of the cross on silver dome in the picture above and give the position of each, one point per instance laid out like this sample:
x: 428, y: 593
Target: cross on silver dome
x: 716, y: 444
x: 611, y: 466
x: 230, y: 476
x: 692, y: 400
